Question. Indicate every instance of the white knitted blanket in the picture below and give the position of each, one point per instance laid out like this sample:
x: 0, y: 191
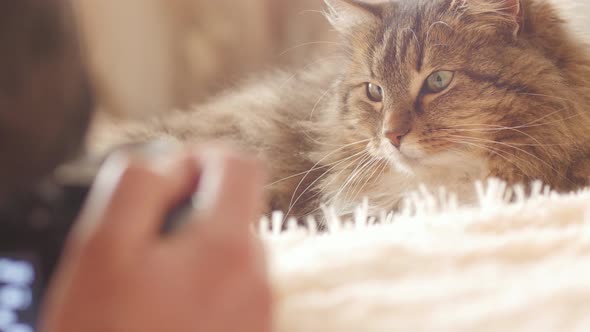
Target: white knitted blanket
x: 522, y: 266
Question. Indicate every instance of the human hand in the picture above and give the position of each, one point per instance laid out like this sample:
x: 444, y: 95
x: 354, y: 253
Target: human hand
x: 119, y: 274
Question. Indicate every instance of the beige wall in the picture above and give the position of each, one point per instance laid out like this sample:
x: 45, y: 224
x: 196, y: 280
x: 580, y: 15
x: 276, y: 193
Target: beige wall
x: 149, y: 56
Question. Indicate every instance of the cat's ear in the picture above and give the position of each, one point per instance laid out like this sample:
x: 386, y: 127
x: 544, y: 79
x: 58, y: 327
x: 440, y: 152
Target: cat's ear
x: 346, y: 15
x: 509, y: 13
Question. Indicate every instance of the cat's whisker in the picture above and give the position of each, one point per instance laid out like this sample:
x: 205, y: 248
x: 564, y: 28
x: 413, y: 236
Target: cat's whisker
x: 484, y: 128
x: 314, y: 167
x: 376, y: 166
x: 321, y: 42
x: 356, y: 157
x: 319, y: 101
x: 334, y: 178
x: 488, y: 149
x: 532, y: 124
x: 307, y: 67
x: 302, y: 173
x: 514, y: 155
x: 556, y: 120
x: 569, y: 101
x: 552, y: 167
x: 506, y: 143
x: 516, y: 127
x: 315, y: 141
x: 355, y: 171
x: 383, y: 168
x: 351, y: 177
x: 414, y: 34
x: 542, y: 95
x: 433, y: 25
x: 484, y: 140
x: 363, y: 171
x: 311, y: 11
x: 337, y: 175
x: 497, y: 128
x: 541, y: 145
x: 535, y: 123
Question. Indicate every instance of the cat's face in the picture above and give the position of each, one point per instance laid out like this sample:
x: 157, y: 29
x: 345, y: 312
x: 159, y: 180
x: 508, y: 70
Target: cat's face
x: 441, y: 82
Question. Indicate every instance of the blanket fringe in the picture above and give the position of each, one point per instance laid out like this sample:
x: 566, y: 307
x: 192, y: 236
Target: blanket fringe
x: 491, y: 195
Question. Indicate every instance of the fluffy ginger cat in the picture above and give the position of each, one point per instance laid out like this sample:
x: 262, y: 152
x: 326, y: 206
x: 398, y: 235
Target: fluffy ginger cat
x: 433, y: 92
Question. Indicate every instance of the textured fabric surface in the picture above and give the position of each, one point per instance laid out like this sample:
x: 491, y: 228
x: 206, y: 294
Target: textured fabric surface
x: 522, y: 266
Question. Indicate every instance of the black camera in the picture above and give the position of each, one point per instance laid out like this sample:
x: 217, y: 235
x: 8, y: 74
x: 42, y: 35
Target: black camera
x: 46, y: 106
x: 34, y: 230
x: 46, y: 103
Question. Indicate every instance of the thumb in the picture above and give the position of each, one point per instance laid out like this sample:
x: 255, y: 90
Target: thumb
x: 131, y: 198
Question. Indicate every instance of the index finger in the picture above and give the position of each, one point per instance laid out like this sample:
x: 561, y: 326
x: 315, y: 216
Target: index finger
x: 229, y: 198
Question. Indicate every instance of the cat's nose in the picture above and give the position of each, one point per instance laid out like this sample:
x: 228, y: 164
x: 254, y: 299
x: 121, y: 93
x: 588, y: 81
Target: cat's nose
x: 396, y: 136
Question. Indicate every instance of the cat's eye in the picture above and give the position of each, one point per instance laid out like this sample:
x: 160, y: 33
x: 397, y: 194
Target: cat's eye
x: 374, y: 93
x: 439, y: 81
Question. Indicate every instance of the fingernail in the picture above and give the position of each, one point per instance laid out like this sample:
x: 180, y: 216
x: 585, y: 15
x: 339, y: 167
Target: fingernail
x: 211, y: 180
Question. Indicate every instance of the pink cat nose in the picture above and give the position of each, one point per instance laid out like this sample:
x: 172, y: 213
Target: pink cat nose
x: 396, y: 136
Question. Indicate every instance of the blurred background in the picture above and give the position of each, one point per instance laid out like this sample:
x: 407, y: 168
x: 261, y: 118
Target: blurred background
x: 149, y: 56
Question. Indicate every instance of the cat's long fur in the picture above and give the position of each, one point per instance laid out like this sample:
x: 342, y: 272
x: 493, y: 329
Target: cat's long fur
x: 517, y: 107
